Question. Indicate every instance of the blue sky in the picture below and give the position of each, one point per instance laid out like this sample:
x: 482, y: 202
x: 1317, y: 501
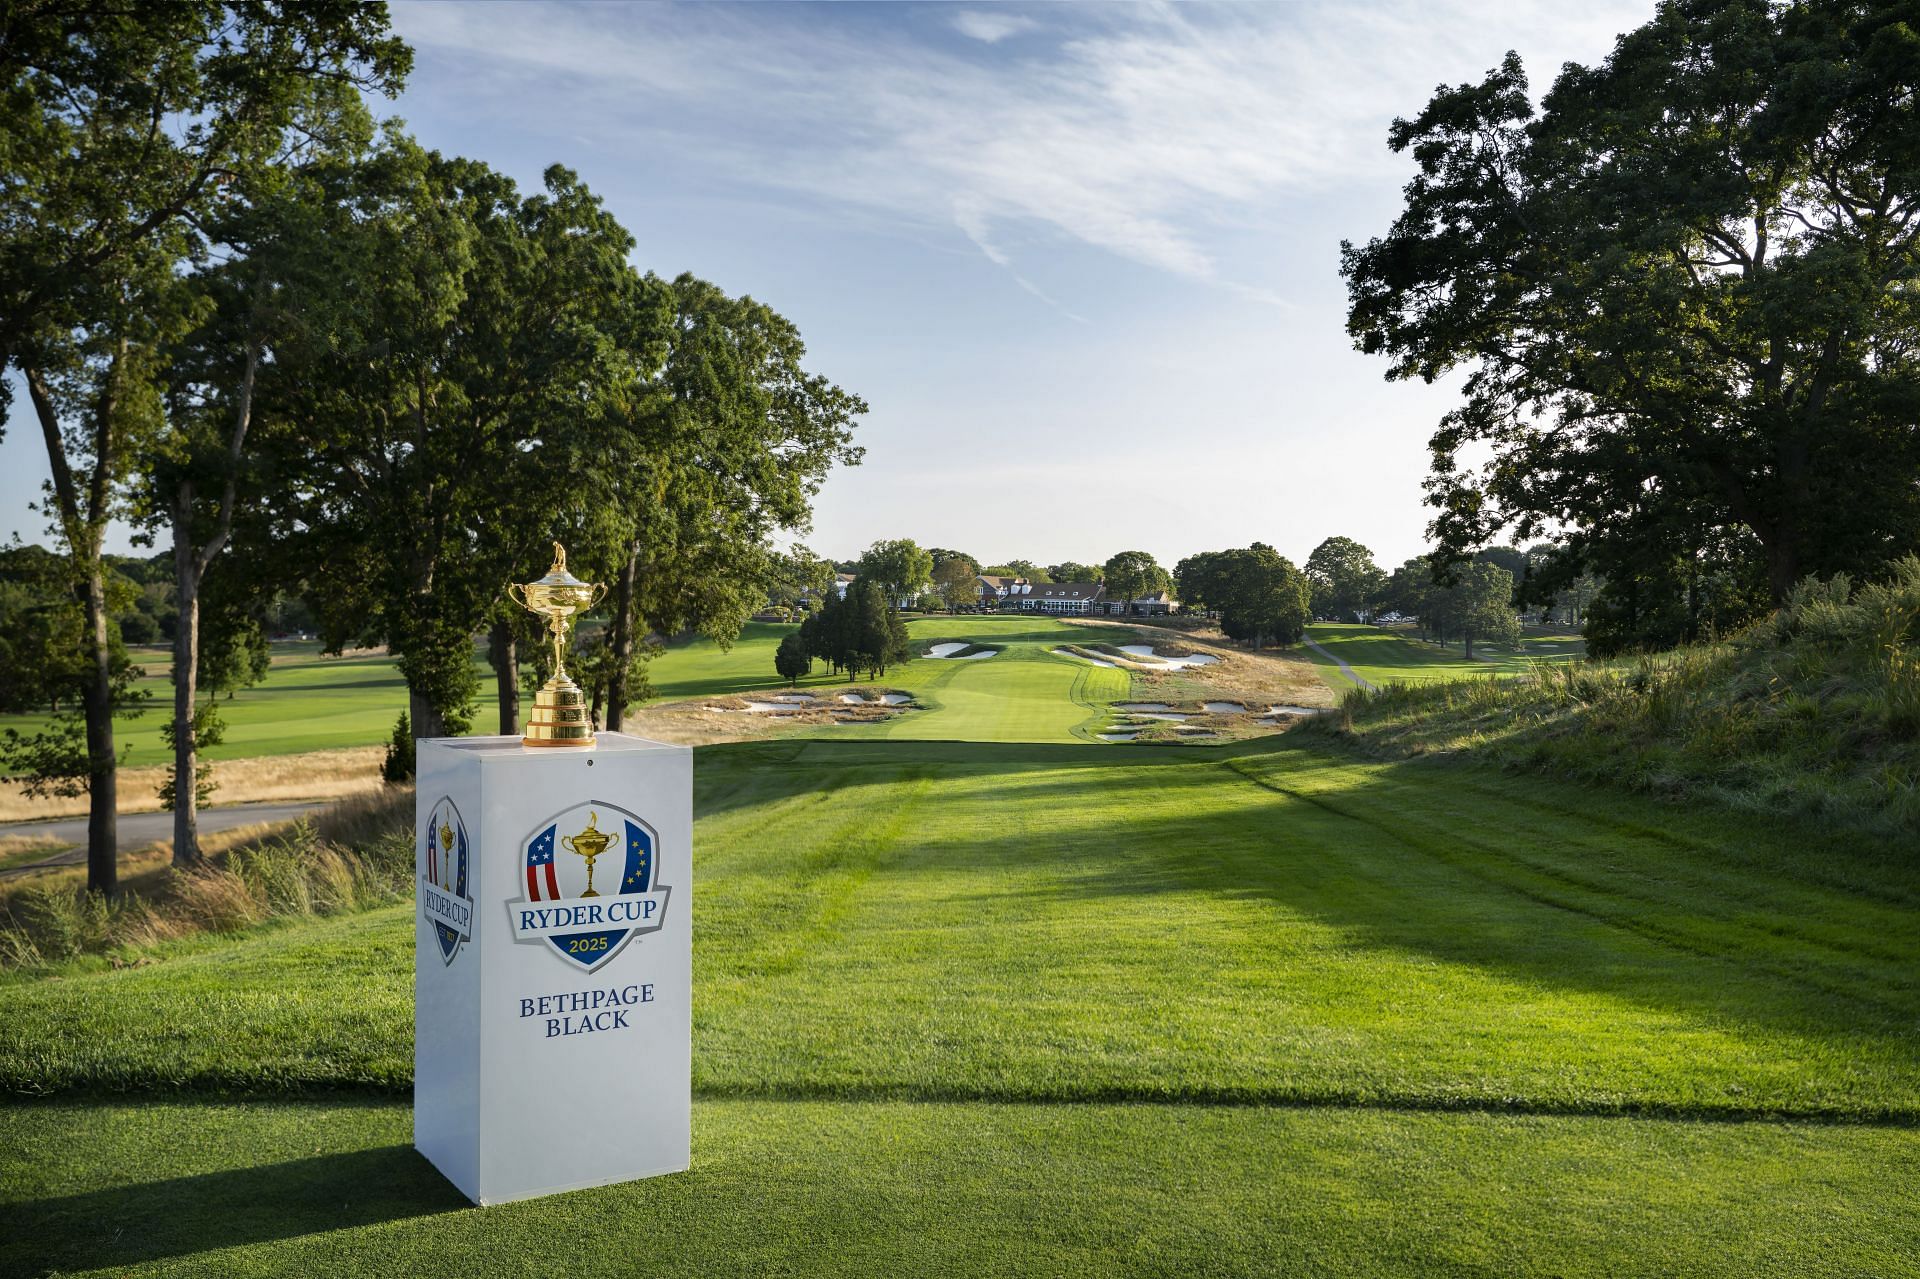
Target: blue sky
x: 1080, y: 259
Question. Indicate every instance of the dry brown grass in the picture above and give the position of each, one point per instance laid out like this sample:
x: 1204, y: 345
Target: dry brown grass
x: 1271, y: 677
x: 333, y: 774
x: 711, y: 720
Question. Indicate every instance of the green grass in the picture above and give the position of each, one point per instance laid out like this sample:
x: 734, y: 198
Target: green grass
x: 1384, y: 656
x: 307, y: 702
x: 1022, y: 694
x: 1029, y: 1004
x: 249, y: 1188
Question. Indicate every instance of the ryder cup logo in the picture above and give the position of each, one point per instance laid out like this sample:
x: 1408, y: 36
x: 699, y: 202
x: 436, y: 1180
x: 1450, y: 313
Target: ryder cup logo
x: 444, y: 868
x: 585, y: 907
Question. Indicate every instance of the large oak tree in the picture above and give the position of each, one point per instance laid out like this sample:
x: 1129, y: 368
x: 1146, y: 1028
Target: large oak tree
x: 1682, y: 294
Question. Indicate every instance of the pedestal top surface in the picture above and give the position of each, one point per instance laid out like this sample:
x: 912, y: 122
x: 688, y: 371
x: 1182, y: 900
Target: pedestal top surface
x: 604, y: 743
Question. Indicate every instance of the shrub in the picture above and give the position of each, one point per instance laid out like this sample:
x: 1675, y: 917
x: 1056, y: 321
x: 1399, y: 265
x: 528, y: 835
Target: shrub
x: 398, y: 766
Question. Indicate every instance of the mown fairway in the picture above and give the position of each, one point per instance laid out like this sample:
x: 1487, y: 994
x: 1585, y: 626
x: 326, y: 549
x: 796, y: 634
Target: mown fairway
x: 1013, y: 1008
x: 1383, y: 656
x: 306, y: 703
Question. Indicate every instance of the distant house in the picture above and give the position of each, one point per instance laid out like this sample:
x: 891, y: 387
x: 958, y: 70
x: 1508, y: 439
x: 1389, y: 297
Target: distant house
x: 841, y: 581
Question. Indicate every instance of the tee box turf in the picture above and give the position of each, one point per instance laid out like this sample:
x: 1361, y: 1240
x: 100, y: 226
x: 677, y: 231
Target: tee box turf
x: 553, y: 963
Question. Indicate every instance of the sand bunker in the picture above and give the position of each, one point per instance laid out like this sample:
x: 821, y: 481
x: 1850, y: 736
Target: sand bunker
x: 1224, y: 708
x: 944, y: 650
x: 1145, y: 653
x: 1294, y: 710
x: 1092, y: 661
x: 1175, y: 717
x: 885, y: 699
x: 1116, y: 737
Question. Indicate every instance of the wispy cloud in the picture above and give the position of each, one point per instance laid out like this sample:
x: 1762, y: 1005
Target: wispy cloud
x: 991, y: 27
x: 1148, y: 132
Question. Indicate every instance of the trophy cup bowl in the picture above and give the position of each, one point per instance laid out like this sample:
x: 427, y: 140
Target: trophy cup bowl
x: 589, y: 843
x: 560, y: 713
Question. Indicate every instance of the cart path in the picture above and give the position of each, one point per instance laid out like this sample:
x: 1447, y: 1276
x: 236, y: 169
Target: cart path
x: 137, y: 830
x: 1341, y: 662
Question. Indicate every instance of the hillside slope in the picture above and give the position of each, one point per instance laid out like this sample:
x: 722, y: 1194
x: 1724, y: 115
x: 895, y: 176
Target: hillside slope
x: 1814, y: 712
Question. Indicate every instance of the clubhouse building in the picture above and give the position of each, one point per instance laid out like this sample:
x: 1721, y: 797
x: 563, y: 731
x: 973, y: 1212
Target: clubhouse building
x: 1018, y: 595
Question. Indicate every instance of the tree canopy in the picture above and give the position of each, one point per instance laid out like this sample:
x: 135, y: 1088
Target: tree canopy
x: 1682, y: 294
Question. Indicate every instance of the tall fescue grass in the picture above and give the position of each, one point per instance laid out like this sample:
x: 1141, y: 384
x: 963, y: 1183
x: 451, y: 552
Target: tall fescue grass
x: 354, y: 856
x: 1814, y: 711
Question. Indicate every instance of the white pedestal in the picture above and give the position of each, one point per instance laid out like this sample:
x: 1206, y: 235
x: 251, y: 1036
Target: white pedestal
x: 552, y: 1030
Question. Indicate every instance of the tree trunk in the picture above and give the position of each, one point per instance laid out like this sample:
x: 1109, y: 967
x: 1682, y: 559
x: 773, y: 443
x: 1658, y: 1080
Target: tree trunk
x: 505, y: 653
x: 622, y: 640
x: 1469, y: 646
x: 426, y: 718
x: 103, y: 809
x: 186, y: 672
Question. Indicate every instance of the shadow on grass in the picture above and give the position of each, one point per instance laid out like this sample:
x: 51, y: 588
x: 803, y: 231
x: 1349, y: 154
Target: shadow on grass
x: 126, y: 1225
x: 1713, y: 915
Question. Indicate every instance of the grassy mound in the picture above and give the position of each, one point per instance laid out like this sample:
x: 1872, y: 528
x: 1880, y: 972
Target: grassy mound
x: 1814, y: 711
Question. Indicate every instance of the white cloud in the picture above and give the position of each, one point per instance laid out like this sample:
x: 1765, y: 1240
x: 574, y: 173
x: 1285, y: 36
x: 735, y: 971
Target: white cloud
x: 990, y: 27
x: 1148, y: 132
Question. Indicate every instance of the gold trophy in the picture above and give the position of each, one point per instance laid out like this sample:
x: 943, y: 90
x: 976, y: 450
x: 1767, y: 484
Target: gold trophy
x: 560, y: 708
x: 446, y: 855
x: 589, y: 843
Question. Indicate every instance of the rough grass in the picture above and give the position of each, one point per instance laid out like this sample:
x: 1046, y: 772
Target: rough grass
x: 1814, y: 711
x: 263, y: 779
x: 353, y: 857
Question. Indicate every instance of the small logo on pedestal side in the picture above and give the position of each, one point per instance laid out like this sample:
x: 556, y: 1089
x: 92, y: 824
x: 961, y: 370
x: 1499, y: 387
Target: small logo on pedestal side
x: 446, y: 864
x: 591, y: 881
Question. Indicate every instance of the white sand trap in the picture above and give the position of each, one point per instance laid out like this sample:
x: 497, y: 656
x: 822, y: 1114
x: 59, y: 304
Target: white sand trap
x: 1144, y: 652
x: 974, y: 657
x: 1172, y: 717
x: 885, y: 699
x: 797, y: 697
x: 774, y: 708
x: 854, y: 699
x: 1224, y: 708
x: 1091, y: 661
x: 1144, y: 706
x: 1116, y: 737
x: 1293, y: 710
x: 944, y: 650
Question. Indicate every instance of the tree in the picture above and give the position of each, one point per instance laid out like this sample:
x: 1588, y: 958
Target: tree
x: 1681, y: 292
x: 898, y: 567
x: 1073, y: 571
x: 1131, y: 574
x: 796, y: 577
x: 1345, y: 578
x: 1261, y: 596
x: 1022, y: 568
x: 790, y: 659
x: 1201, y: 580
x: 957, y: 582
x: 728, y: 443
x: 1481, y: 604
x: 940, y: 555
x: 123, y: 131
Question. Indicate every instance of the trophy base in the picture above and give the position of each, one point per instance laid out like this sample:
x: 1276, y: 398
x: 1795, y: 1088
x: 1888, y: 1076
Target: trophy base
x: 559, y: 717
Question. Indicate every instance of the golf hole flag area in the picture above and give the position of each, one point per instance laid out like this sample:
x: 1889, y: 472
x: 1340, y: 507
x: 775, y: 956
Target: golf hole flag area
x: 1009, y: 1002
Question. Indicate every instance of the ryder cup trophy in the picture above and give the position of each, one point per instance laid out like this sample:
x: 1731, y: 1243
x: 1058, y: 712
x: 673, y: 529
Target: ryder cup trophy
x: 560, y: 707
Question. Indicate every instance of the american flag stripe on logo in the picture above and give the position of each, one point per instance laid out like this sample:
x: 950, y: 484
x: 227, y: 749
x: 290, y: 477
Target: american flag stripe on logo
x: 539, y: 865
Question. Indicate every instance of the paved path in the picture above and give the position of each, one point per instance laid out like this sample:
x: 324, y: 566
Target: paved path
x: 137, y: 830
x: 1345, y: 669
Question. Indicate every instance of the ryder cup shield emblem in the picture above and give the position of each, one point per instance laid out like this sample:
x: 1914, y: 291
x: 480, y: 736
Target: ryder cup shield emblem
x: 590, y: 883
x: 445, y: 866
